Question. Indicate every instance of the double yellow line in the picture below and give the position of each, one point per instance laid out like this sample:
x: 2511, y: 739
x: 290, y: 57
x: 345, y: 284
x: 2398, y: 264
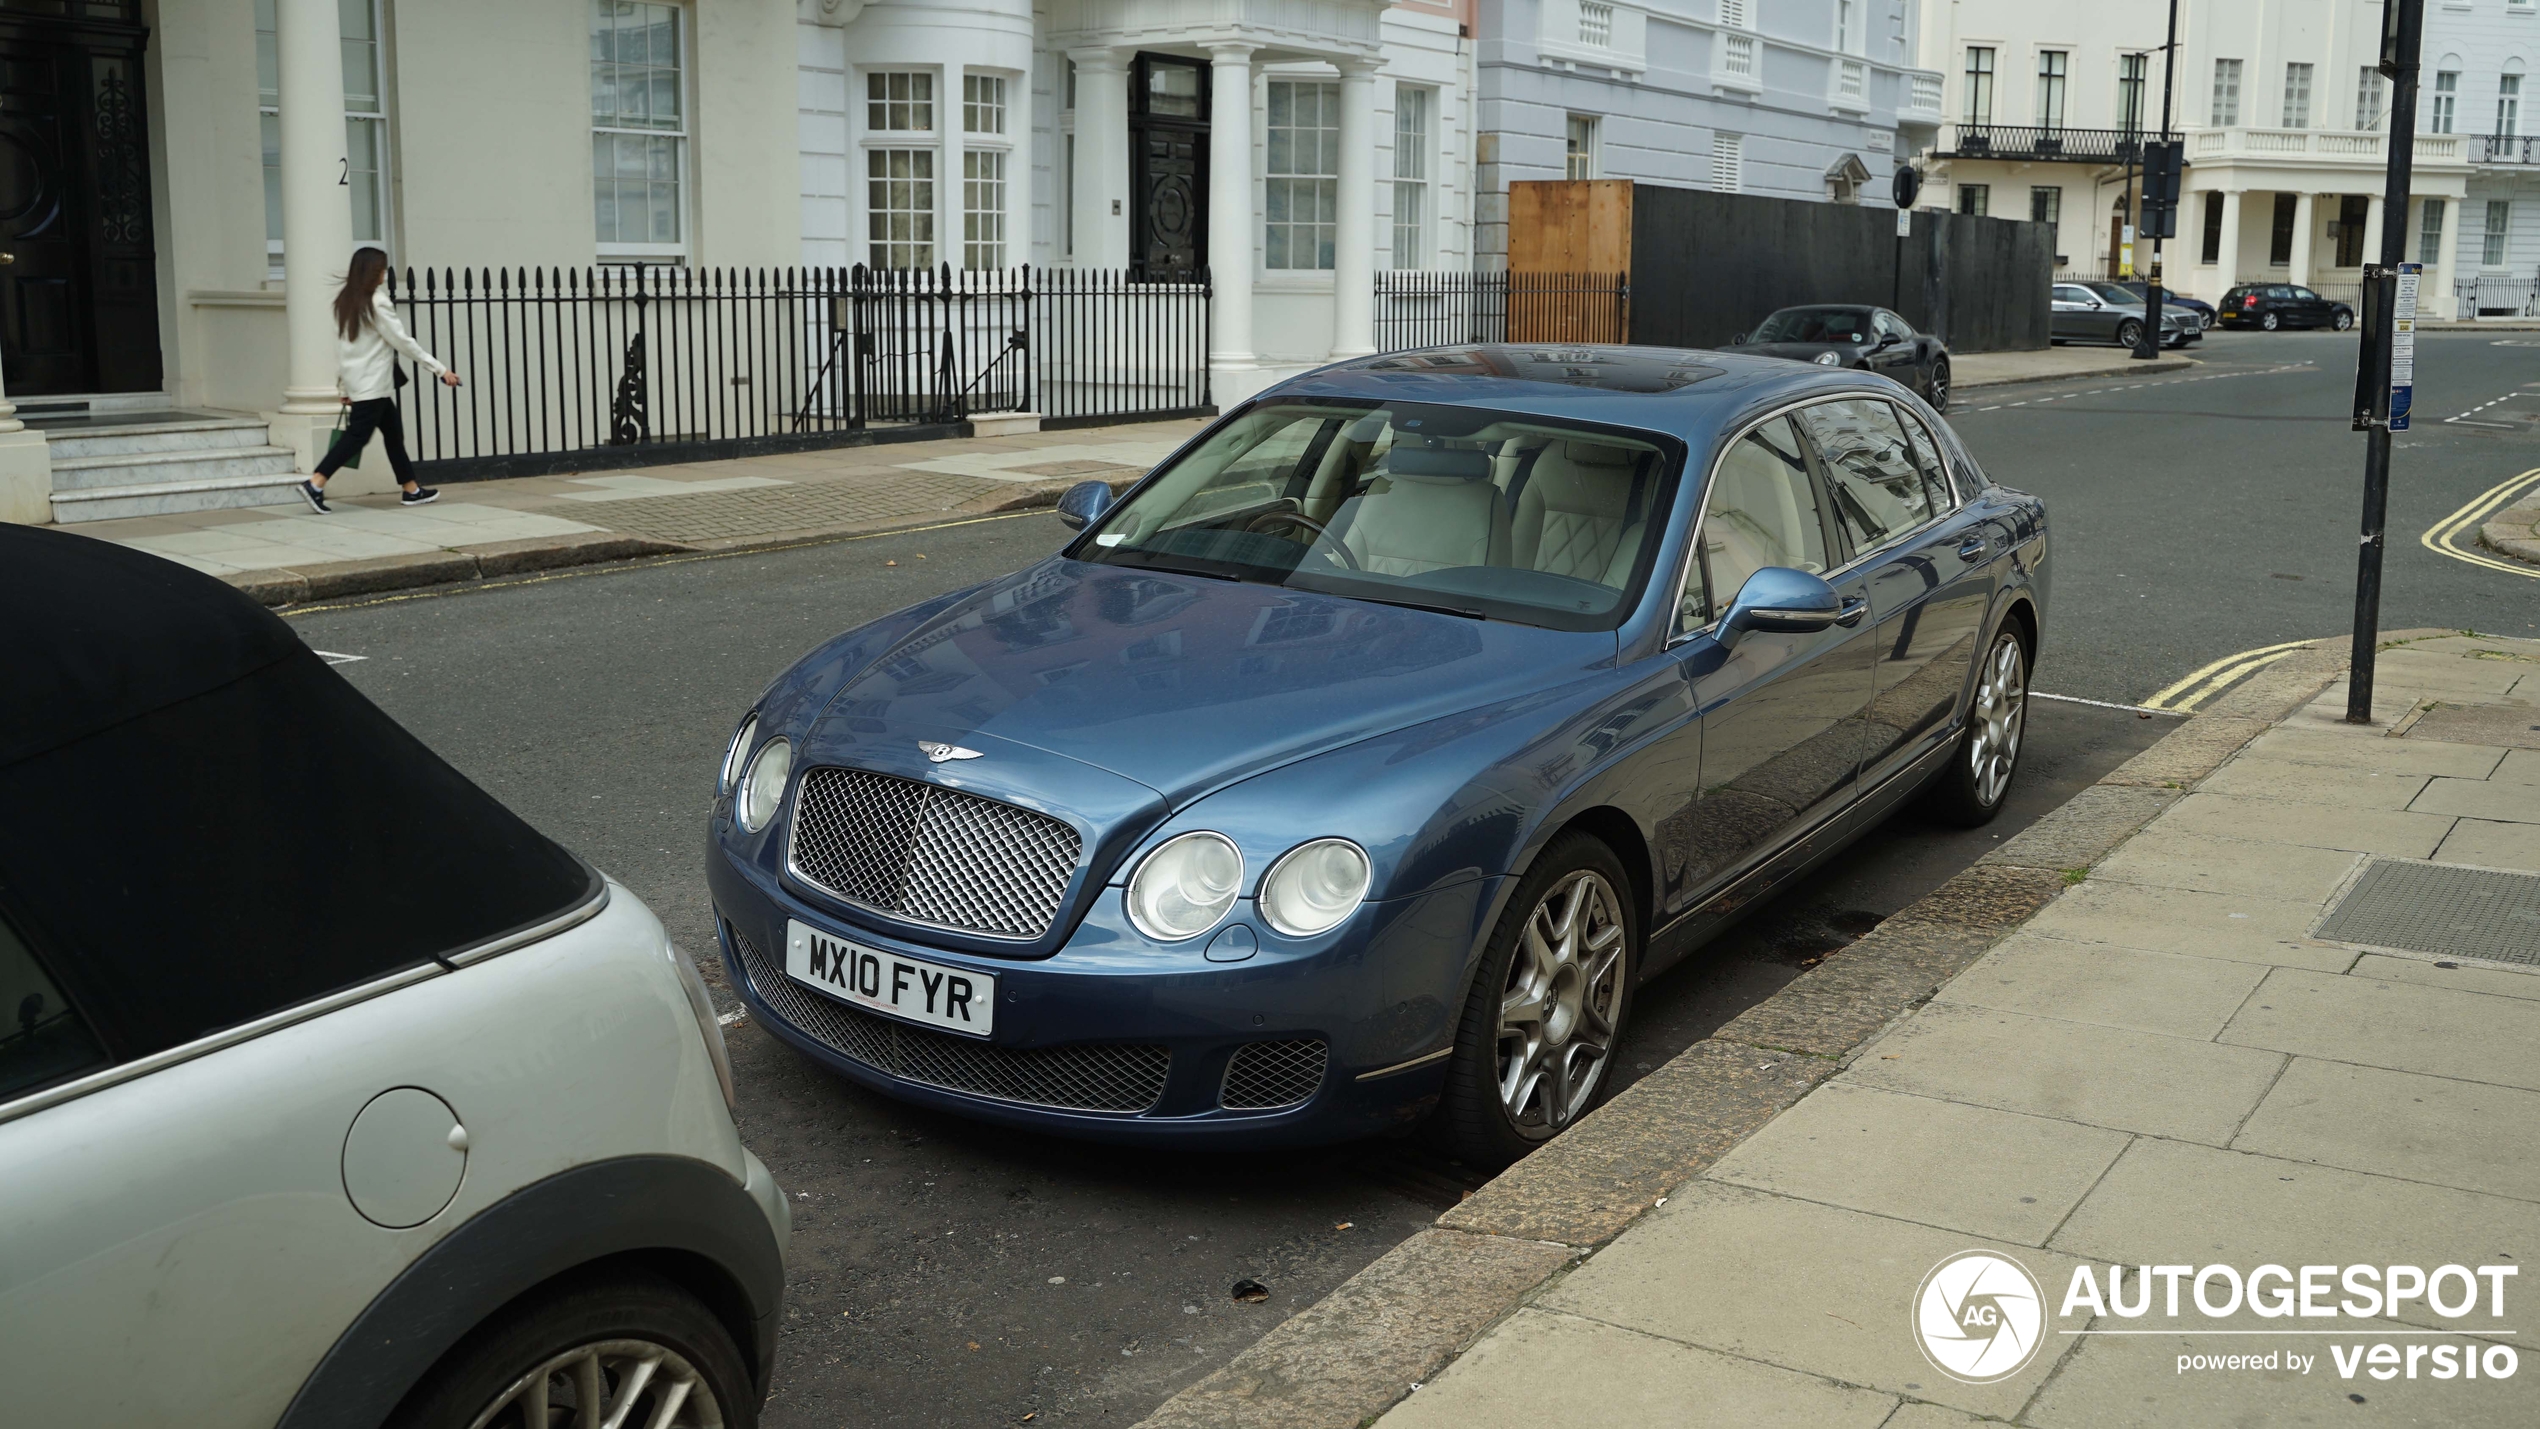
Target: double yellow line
x: 2211, y: 680
x: 2444, y: 537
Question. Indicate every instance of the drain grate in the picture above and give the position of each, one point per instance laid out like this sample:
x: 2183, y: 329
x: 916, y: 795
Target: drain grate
x: 2438, y: 908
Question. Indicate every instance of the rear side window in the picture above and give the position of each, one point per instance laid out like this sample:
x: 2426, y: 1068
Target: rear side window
x: 43, y: 1039
x: 1878, y: 488
x: 1926, y: 454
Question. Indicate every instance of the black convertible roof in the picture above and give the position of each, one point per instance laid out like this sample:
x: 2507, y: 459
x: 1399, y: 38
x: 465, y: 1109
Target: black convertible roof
x: 201, y: 823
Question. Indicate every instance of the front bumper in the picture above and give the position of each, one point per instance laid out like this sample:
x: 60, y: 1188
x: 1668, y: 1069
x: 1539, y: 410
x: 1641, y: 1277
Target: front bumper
x: 1384, y: 988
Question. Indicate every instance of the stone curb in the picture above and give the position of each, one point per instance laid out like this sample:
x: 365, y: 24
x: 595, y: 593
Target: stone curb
x: 338, y: 579
x: 2115, y: 367
x: 2515, y: 531
x: 1344, y: 1361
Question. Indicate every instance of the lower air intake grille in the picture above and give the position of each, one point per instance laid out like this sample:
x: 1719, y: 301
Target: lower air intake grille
x: 1102, y: 1076
x: 1262, y: 1075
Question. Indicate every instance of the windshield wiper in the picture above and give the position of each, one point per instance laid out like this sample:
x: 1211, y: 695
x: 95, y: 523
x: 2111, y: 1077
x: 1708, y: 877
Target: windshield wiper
x: 1466, y: 611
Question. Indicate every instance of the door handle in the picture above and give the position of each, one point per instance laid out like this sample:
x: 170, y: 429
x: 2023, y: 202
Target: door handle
x: 1972, y: 549
x: 1854, y: 607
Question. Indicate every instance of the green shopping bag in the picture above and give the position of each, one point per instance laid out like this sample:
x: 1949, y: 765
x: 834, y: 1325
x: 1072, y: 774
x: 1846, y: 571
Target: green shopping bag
x: 336, y: 434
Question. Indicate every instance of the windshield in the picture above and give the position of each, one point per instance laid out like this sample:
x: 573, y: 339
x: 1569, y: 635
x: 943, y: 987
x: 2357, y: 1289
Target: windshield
x: 1477, y: 512
x: 1815, y: 325
x: 2113, y: 293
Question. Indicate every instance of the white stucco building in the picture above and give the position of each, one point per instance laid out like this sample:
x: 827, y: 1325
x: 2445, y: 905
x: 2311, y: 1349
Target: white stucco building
x: 2479, y: 61
x: 2283, y: 117
x: 1289, y: 147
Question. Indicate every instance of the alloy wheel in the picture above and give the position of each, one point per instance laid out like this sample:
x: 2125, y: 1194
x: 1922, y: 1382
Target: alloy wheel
x: 2344, y: 321
x: 2001, y: 713
x: 613, y: 1384
x: 2129, y: 333
x: 1558, y: 1011
x: 1940, y: 386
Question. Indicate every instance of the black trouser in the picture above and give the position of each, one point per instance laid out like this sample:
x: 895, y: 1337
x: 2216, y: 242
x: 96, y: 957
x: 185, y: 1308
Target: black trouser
x: 379, y: 414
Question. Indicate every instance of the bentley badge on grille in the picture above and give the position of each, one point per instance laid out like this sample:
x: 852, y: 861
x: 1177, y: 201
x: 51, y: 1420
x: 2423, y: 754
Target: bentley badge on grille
x: 938, y: 753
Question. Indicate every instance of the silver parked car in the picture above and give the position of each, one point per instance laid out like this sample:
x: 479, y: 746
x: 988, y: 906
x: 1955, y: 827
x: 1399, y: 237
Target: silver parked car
x: 331, y: 1092
x: 2083, y: 315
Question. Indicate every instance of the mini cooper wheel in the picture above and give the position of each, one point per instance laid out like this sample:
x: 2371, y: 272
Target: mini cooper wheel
x: 624, y: 1350
x: 1545, y: 1014
x: 1939, y: 384
x: 1970, y: 790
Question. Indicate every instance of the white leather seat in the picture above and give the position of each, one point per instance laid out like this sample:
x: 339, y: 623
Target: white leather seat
x: 1574, y: 514
x: 1428, y: 509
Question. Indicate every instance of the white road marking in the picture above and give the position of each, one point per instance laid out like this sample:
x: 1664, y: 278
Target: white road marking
x: 333, y: 658
x: 2105, y: 704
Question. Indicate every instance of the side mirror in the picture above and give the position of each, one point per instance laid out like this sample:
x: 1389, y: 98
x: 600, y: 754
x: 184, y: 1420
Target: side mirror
x: 1886, y: 341
x: 1785, y: 602
x: 1084, y: 503
x: 1738, y: 341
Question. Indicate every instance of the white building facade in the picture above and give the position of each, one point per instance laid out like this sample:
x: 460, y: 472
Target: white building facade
x: 1804, y: 99
x: 2480, y: 58
x: 1288, y: 147
x: 2281, y: 110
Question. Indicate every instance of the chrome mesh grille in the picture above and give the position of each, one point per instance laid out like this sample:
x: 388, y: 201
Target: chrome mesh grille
x: 1262, y: 1075
x: 1103, y: 1076
x: 937, y: 856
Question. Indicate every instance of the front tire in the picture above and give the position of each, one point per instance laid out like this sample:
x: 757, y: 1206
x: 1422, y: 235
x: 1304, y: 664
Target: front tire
x: 2342, y: 321
x: 622, y: 1349
x: 1970, y: 791
x: 1545, y: 1016
x: 2129, y: 333
x: 1939, y: 396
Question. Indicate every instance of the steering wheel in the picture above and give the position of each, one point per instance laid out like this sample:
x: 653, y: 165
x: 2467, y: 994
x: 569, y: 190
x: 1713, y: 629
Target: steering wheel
x: 1324, y: 540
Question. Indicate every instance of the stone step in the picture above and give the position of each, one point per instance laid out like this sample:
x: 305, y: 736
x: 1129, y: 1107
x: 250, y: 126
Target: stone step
x: 158, y: 468
x: 73, y: 443
x: 163, y: 498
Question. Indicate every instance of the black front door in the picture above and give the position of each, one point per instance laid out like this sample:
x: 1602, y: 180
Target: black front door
x: 1168, y: 167
x: 78, y: 292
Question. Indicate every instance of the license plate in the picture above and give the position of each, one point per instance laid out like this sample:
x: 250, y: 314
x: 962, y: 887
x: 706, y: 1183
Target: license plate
x: 892, y: 984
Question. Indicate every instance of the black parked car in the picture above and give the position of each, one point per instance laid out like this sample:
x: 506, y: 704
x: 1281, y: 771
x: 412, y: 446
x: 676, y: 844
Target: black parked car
x: 2137, y: 291
x: 1871, y: 339
x: 2269, y: 306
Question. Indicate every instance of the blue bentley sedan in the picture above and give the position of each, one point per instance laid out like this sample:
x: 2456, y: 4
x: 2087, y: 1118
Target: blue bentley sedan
x: 1353, y: 768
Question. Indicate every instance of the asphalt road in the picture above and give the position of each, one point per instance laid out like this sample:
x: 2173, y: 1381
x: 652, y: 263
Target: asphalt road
x: 947, y: 1274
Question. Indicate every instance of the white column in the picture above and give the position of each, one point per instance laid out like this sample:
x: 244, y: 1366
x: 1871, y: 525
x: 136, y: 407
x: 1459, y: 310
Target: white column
x: 2298, y: 270
x: 1230, y: 213
x: 317, y: 211
x: 26, y: 469
x: 2227, y: 254
x: 2439, y: 266
x: 1102, y: 158
x: 2372, y: 229
x: 1354, y: 237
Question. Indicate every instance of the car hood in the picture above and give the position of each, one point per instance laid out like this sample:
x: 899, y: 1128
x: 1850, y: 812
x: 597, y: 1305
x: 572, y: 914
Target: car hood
x: 1798, y: 351
x: 1181, y: 683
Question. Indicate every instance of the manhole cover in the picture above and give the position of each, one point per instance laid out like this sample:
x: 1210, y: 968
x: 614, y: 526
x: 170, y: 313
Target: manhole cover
x: 2438, y: 908
x: 2515, y: 726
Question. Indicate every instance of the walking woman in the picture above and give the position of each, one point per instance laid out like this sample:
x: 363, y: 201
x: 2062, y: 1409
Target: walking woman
x: 368, y: 342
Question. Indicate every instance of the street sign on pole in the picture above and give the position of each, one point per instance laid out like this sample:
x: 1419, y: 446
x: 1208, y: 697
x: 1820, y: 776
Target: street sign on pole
x: 2403, y: 344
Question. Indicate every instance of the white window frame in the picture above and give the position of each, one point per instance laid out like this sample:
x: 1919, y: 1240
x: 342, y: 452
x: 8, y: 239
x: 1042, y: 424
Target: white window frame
x: 1851, y: 36
x: 613, y: 250
x: 1975, y: 200
x: 926, y: 240
x: 1583, y: 146
x: 2296, y: 113
x: 1323, y: 181
x: 2224, y: 109
x: 2495, y: 239
x: 2054, y: 88
x: 1980, y: 79
x: 1728, y: 162
x: 2430, y: 216
x: 2447, y: 98
x: 2372, y: 97
x: 374, y: 119
x: 1415, y: 126
x: 987, y: 233
x: 2509, y: 104
x: 2133, y: 88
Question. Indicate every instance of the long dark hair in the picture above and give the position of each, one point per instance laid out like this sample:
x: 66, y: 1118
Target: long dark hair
x: 361, y: 279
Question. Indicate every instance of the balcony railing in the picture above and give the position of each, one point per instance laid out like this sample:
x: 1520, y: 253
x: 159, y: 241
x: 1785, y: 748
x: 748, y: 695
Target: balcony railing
x: 2040, y: 142
x: 2506, y: 148
x: 1924, y: 97
x: 2335, y: 145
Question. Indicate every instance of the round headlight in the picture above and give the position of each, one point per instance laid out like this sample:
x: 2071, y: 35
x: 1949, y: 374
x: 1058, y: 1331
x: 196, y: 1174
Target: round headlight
x: 1184, y: 887
x: 1313, y: 887
x: 731, y: 771
x: 763, y: 788
x: 1830, y: 359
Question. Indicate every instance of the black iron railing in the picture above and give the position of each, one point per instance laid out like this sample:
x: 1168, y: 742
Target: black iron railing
x: 2040, y: 142
x: 1423, y: 308
x: 2497, y: 297
x: 2507, y: 148
x: 584, y: 368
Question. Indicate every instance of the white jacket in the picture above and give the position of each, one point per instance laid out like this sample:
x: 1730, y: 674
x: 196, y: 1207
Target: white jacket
x: 366, y: 367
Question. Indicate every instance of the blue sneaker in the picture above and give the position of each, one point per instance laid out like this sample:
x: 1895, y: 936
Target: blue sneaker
x: 312, y: 493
